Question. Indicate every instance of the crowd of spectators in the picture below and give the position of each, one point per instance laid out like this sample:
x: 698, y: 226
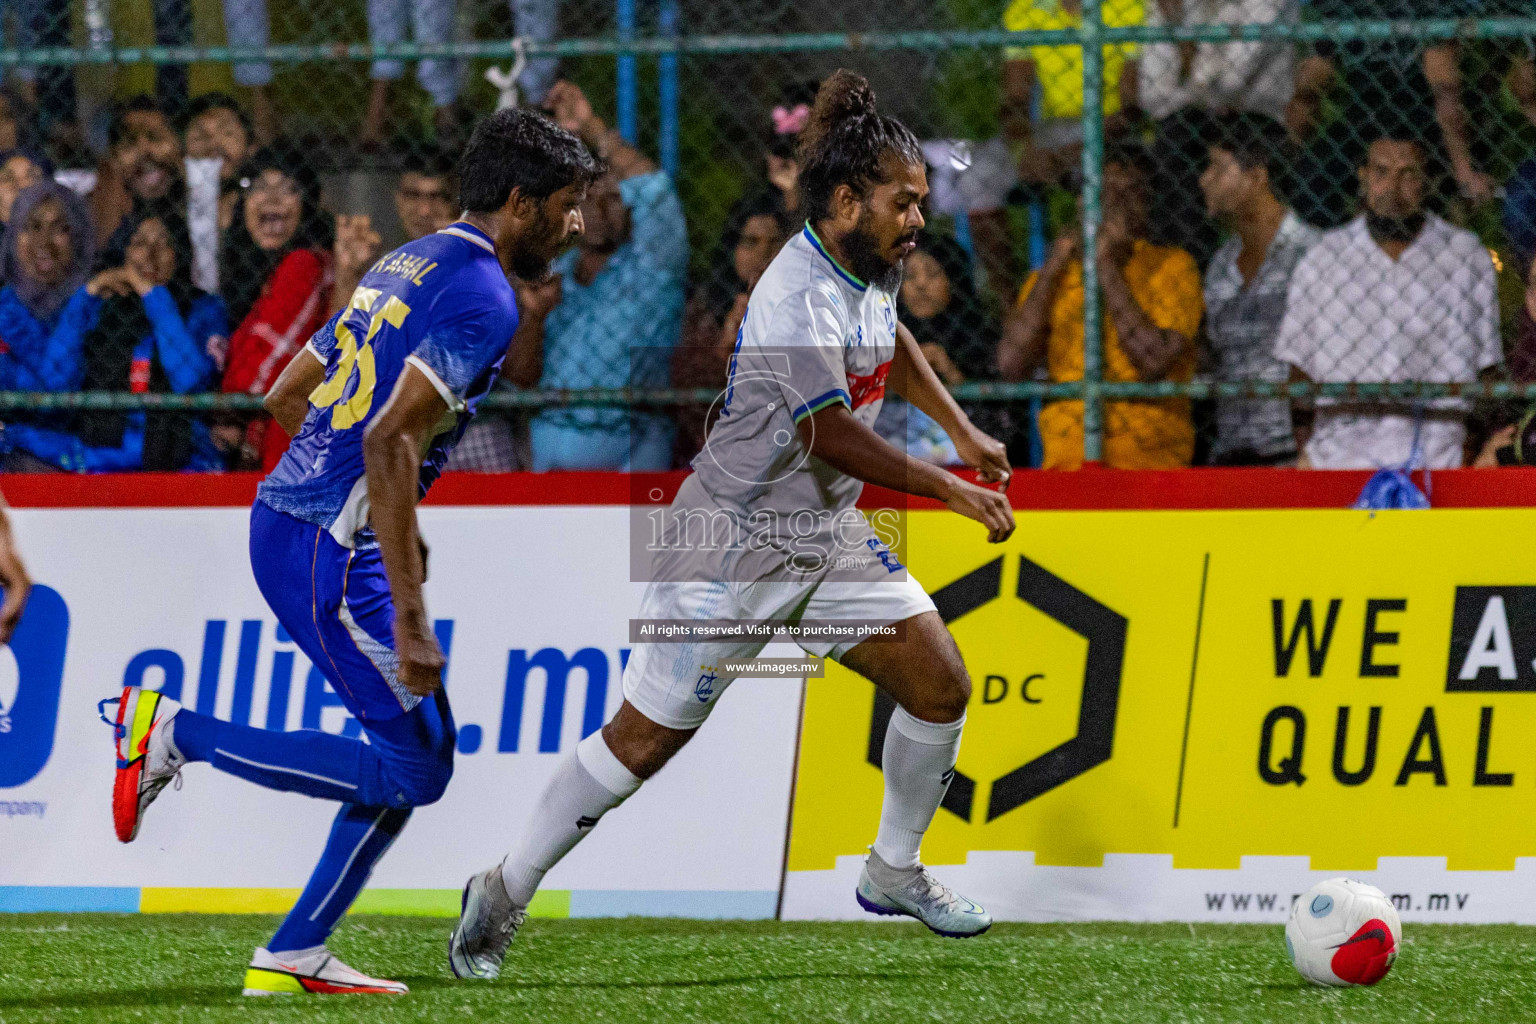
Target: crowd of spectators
x: 1271, y: 212
x: 189, y: 260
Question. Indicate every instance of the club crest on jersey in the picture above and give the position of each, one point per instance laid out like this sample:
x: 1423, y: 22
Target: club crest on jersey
x: 866, y: 388
x: 704, y: 689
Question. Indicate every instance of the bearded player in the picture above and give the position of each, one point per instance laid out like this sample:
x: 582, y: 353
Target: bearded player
x: 794, y: 442
x: 375, y: 403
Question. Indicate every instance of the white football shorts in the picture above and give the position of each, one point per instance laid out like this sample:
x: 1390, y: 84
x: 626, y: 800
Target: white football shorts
x: 677, y: 684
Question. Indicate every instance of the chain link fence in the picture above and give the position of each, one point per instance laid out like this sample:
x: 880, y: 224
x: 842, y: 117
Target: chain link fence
x: 1310, y: 227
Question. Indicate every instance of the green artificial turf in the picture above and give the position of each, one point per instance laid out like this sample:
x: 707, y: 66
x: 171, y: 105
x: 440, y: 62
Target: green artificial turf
x: 188, y: 967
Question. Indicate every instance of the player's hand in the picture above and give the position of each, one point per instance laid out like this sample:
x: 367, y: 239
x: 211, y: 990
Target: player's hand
x: 357, y: 245
x: 985, y: 454
x: 538, y: 299
x: 421, y: 659
x: 989, y: 508
x: 569, y: 107
x: 18, y: 586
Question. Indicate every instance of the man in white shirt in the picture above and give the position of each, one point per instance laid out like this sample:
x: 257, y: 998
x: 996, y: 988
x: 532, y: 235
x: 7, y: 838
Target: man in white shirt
x: 1395, y: 295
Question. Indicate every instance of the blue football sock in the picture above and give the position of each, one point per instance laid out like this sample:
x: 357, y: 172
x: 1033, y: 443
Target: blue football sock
x: 306, y: 761
x: 359, y: 837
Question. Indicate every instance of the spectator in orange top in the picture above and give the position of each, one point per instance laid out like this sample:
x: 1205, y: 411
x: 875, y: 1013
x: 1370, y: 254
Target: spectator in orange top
x: 286, y: 269
x: 1152, y: 308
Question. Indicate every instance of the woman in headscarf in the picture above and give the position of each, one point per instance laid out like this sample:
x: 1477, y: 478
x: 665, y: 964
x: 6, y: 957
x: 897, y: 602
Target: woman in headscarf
x: 151, y: 332
x: 20, y: 169
x: 753, y: 236
x: 277, y: 277
x: 45, y: 257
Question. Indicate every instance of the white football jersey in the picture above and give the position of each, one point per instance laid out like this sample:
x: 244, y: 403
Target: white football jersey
x: 814, y: 335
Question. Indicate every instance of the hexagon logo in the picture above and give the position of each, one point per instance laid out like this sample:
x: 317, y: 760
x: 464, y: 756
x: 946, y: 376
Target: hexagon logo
x: 1093, y: 743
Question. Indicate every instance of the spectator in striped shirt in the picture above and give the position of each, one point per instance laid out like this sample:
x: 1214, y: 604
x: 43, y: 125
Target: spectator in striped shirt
x: 1246, y: 285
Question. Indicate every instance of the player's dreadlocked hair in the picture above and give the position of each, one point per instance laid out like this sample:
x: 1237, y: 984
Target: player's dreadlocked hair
x: 845, y: 141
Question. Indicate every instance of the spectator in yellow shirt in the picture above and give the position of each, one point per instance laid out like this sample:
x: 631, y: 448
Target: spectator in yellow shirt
x: 1052, y: 144
x: 1152, y: 305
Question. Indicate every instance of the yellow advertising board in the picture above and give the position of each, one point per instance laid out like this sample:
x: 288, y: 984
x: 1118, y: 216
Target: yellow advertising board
x: 1334, y: 685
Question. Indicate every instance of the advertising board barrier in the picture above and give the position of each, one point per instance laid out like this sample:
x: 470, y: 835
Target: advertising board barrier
x: 1195, y: 715
x: 1176, y: 714
x: 536, y: 635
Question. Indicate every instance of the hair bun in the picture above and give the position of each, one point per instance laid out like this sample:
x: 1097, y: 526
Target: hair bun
x: 843, y: 95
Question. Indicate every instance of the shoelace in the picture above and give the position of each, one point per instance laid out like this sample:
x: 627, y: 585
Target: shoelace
x: 937, y: 892
x: 506, y: 928
x: 101, y: 712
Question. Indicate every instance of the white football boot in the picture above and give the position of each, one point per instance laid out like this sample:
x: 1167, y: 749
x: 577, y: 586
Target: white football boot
x: 488, y: 921
x: 313, y: 972
x: 913, y: 892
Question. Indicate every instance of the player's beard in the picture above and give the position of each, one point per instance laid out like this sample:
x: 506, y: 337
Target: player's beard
x: 866, y: 261
x: 534, y: 249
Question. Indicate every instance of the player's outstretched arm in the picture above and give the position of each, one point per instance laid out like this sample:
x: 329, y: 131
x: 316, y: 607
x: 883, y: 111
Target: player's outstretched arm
x: 845, y: 444
x: 13, y: 576
x: 913, y: 379
x: 392, y: 454
x: 288, y: 401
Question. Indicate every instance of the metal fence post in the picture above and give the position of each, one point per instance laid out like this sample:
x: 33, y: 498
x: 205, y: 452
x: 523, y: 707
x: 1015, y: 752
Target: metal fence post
x: 1093, y: 188
x: 667, y: 88
x: 628, y: 84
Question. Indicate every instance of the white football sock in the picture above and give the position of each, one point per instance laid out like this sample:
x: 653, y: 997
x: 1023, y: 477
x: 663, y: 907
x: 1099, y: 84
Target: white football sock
x: 589, y: 782
x: 916, y: 762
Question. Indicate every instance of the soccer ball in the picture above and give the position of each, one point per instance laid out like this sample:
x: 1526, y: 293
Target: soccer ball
x: 1343, y: 932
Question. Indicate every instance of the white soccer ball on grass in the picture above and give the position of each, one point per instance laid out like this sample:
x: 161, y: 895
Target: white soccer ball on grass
x: 1343, y: 932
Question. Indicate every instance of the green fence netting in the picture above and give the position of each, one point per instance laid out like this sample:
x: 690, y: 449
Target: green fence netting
x: 1317, y: 220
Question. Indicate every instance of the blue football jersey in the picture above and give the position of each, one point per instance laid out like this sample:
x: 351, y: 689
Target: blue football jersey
x: 441, y: 303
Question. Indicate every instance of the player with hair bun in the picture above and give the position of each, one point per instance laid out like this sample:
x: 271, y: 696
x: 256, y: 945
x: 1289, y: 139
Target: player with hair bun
x: 783, y: 467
